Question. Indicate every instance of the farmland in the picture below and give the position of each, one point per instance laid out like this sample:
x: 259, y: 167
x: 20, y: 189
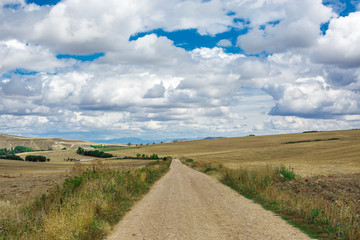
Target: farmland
x: 326, y: 165
x: 19, y: 179
x: 310, y: 154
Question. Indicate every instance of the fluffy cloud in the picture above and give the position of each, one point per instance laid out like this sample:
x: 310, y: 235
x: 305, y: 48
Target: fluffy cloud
x: 313, y: 98
x: 224, y: 43
x: 285, y: 26
x: 296, y: 124
x: 107, y: 25
x: 11, y: 2
x: 15, y: 54
x: 149, y: 85
x: 148, y: 50
x: 157, y: 91
x: 340, y: 45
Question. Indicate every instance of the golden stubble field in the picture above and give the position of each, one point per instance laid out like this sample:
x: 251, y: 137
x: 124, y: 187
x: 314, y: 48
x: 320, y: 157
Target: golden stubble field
x: 340, y: 155
x: 20, y: 179
x: 24, y: 179
x: 328, y: 164
x: 314, y: 158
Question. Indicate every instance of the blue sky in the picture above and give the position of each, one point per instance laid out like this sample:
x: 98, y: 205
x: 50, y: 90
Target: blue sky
x: 172, y: 69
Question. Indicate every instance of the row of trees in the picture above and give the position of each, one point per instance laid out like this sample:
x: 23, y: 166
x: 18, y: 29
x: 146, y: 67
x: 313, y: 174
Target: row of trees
x: 146, y: 157
x: 129, y: 144
x: 98, y: 146
x: 29, y: 158
x: 34, y: 158
x: 17, y: 149
x: 10, y: 153
x: 95, y: 153
x: 11, y: 157
x: 154, y: 156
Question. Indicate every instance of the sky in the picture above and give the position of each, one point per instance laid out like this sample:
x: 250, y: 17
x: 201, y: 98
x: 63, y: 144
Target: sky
x: 167, y: 69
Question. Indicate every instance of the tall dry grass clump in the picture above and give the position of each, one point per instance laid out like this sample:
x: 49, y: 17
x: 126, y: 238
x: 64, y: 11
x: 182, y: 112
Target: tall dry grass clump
x: 320, y: 217
x: 86, y: 206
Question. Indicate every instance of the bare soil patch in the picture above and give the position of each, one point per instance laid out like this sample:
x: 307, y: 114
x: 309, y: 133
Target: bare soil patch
x: 332, y: 188
x: 19, y: 179
x: 14, y: 187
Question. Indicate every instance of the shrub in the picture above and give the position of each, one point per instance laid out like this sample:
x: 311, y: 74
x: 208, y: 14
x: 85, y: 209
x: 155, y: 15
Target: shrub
x: 17, y: 149
x: 20, y: 149
x: 285, y: 173
x: 11, y: 157
x: 95, y: 153
x: 208, y: 169
x: 35, y: 158
x: 154, y: 156
x: 168, y: 158
x: 99, y: 146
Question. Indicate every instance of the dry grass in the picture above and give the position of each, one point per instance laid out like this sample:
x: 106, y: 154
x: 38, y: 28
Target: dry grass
x: 86, y: 206
x: 57, y: 156
x: 307, y: 158
x: 331, y: 214
x: 327, y: 219
x: 19, y: 179
x: 311, y: 154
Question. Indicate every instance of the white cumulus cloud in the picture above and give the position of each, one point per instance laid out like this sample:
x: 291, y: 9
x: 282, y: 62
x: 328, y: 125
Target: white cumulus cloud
x: 340, y: 45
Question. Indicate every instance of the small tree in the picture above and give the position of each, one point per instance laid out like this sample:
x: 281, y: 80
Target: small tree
x: 154, y: 156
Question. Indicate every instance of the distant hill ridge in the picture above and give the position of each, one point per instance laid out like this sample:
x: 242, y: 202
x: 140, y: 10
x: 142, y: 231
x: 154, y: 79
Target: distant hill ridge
x: 11, y: 141
x: 136, y: 140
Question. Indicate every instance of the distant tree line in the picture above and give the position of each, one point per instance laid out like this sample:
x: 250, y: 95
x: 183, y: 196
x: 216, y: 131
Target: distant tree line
x: 10, y: 153
x: 34, y: 158
x: 29, y: 158
x: 98, y: 146
x: 17, y: 149
x: 146, y: 157
x: 11, y: 157
x: 153, y: 156
x: 95, y: 153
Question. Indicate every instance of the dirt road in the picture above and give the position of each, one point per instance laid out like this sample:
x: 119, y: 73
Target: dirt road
x: 186, y: 204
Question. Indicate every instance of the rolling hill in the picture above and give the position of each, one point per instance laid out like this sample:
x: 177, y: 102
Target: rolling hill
x: 10, y: 141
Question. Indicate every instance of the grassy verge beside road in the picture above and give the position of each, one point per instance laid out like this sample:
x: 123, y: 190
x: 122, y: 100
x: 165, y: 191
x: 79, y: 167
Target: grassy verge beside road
x: 322, y: 214
x: 86, y: 206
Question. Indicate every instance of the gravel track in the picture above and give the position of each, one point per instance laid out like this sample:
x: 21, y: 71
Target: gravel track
x: 187, y: 204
